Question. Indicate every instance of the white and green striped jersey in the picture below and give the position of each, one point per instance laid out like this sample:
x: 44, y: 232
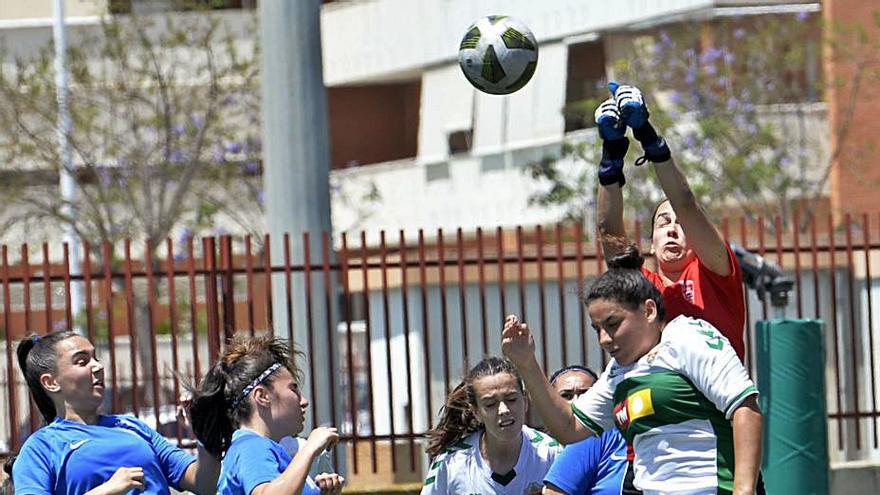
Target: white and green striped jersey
x: 674, y: 407
x: 461, y: 469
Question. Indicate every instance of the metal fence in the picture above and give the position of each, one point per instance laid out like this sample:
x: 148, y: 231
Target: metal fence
x: 405, y: 317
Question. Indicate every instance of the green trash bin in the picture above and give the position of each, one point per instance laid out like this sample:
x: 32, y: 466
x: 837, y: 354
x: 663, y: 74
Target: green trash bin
x: 791, y: 379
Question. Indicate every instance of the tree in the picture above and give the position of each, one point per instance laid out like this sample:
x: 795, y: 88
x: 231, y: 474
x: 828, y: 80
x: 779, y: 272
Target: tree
x: 735, y: 98
x: 165, y: 136
x: 165, y: 113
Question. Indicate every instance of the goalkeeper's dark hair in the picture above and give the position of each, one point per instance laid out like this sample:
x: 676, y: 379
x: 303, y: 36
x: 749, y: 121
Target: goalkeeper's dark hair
x: 625, y: 283
x: 220, y: 402
x: 457, y: 419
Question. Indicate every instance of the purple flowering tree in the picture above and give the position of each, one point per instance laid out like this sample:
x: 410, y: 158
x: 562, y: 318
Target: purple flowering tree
x: 740, y: 101
x: 165, y: 132
x: 164, y: 141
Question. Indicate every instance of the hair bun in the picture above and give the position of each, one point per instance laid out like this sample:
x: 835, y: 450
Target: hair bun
x: 629, y: 258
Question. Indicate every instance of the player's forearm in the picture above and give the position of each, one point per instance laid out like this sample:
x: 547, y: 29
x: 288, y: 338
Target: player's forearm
x: 610, y: 218
x: 554, y: 411
x: 293, y: 479
x: 201, y: 476
x: 747, y: 441
x: 675, y: 185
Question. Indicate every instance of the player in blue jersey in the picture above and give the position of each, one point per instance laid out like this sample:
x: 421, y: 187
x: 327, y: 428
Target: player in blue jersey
x: 481, y: 444
x: 595, y: 465
x: 245, y: 405
x: 81, y: 451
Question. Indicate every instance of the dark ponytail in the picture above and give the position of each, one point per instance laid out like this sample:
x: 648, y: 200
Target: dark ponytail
x: 211, y: 423
x: 220, y: 402
x: 37, y: 355
x: 457, y: 419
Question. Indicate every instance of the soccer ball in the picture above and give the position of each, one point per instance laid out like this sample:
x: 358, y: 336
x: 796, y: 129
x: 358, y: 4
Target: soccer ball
x: 498, y: 54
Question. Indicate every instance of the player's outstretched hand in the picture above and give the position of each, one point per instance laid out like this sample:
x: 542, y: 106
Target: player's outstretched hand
x: 330, y: 483
x: 630, y: 104
x: 608, y: 121
x: 322, y: 438
x: 517, y: 342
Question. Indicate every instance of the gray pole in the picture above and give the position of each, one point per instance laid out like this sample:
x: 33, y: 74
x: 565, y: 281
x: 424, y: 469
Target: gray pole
x: 296, y: 180
x: 67, y: 181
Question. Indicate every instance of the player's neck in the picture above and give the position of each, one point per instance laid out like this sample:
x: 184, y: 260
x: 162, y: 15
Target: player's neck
x: 501, y: 455
x: 85, y: 416
x: 670, y: 277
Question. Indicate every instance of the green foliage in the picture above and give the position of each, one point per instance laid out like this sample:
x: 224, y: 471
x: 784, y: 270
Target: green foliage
x: 731, y: 99
x: 165, y: 123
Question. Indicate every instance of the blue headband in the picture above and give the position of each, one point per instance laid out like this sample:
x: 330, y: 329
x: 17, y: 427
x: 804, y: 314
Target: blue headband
x: 250, y: 388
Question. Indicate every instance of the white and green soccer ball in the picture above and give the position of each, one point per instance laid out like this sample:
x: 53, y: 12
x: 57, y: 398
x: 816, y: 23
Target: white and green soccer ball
x: 498, y: 54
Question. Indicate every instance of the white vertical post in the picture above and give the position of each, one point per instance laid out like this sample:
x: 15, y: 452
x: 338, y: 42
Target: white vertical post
x: 68, y: 182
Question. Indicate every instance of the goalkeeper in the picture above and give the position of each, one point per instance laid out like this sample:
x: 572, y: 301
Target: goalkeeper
x: 698, y: 273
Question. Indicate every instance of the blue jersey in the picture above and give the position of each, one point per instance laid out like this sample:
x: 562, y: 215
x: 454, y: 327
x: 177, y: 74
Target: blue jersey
x: 593, y: 466
x: 66, y: 457
x: 252, y: 460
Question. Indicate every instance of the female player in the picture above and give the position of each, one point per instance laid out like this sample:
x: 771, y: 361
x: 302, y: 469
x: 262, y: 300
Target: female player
x: 676, y: 390
x: 244, y: 406
x: 698, y: 274
x: 80, y: 451
x: 481, y: 444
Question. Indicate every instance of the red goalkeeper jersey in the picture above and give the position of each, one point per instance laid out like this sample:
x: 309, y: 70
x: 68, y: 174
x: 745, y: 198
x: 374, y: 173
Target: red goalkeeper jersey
x: 702, y: 293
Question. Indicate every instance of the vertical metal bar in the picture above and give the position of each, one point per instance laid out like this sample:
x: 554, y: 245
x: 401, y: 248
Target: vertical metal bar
x: 404, y: 290
x: 331, y: 329
x: 14, y: 440
x: 814, y: 255
x: 777, y: 222
x: 132, y: 330
x: 346, y: 310
x: 227, y: 288
x: 26, y: 287
x: 87, y: 283
x: 499, y: 241
x: 744, y: 240
x: 151, y: 323
x: 107, y: 254
x: 796, y: 237
x: 267, y: 273
x: 212, y: 307
x: 68, y: 311
x: 579, y: 269
x: 47, y: 288
x: 481, y: 280
x: 441, y: 270
x: 310, y: 316
x: 426, y: 346
x: 837, y: 358
x: 249, y: 270
x: 521, y: 273
x: 175, y: 328
x: 542, y: 300
x: 762, y: 250
x: 866, y: 246
x: 386, y: 315
x: 852, y: 327
x: 193, y: 307
x: 462, y: 297
x: 369, y: 332
x: 288, y: 285
x: 560, y: 277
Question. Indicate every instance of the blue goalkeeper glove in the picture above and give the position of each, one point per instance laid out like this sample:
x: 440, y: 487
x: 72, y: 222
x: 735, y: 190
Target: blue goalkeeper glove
x: 634, y: 113
x: 614, y: 143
